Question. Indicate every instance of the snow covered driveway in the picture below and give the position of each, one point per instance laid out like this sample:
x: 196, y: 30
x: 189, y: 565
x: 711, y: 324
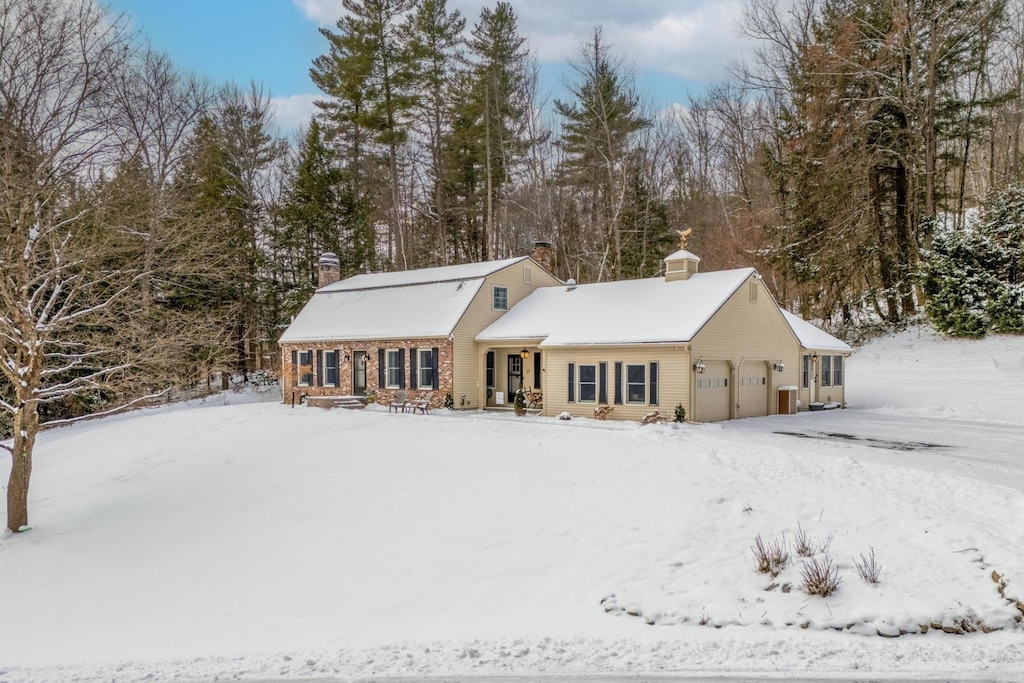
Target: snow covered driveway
x: 990, y: 452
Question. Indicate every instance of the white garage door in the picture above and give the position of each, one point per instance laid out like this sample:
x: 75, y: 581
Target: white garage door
x: 753, y: 389
x: 712, y: 404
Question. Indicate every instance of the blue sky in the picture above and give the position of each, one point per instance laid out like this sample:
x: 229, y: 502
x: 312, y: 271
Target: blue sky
x: 677, y: 47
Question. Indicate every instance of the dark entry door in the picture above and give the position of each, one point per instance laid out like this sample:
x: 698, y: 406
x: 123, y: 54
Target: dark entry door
x: 359, y: 373
x: 515, y: 376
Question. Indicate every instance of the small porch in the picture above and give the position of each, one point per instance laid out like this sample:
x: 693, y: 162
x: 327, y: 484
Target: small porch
x: 508, y: 366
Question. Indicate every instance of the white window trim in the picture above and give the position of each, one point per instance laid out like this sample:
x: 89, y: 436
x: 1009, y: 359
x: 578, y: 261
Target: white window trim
x: 821, y: 372
x: 337, y: 368
x: 420, y: 367
x: 494, y: 291
x: 580, y: 382
x: 625, y: 369
x: 842, y: 373
x: 302, y: 381
x: 388, y: 367
x: 805, y: 371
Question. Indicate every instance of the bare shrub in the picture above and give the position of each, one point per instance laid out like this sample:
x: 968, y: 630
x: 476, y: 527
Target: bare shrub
x: 771, y: 557
x: 806, y: 546
x: 868, y: 567
x: 820, y: 577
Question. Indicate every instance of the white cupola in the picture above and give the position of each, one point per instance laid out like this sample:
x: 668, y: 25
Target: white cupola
x: 680, y: 265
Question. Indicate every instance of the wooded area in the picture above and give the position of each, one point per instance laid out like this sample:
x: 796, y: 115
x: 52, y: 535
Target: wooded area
x: 157, y: 226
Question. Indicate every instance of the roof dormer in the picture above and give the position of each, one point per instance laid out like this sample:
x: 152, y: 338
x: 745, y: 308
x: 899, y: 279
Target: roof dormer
x: 680, y: 265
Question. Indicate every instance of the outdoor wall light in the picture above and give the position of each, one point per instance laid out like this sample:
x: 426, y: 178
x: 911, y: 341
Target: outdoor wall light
x: 814, y: 357
x: 698, y: 367
x: 779, y: 366
x: 524, y: 354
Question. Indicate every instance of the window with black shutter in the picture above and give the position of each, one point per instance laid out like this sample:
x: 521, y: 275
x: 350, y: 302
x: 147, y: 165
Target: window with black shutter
x: 572, y: 382
x: 618, y: 383
x: 654, y: 384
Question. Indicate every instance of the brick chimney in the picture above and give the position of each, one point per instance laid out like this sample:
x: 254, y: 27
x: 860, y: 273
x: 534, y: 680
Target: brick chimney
x: 544, y: 255
x: 330, y: 269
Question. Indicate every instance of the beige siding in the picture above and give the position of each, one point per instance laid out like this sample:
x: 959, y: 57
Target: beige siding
x: 746, y: 330
x: 469, y: 356
x: 673, y: 378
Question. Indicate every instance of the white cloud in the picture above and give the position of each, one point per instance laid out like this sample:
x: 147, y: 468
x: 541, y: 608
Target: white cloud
x: 294, y: 111
x: 694, y: 39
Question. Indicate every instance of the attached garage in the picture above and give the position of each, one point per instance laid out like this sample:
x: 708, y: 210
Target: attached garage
x: 712, y: 393
x: 753, y: 389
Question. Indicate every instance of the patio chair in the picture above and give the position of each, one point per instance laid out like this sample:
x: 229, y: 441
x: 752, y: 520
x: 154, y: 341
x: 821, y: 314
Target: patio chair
x: 399, y: 401
x: 422, y: 403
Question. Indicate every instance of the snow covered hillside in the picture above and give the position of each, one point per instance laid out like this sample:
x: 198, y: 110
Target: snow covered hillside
x: 264, y: 541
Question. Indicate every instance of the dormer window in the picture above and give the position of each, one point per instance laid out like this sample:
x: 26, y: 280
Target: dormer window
x: 500, y: 299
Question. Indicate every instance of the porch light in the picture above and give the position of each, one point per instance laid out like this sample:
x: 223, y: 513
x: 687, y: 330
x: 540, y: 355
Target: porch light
x: 779, y: 366
x: 698, y: 367
x: 524, y: 354
x: 814, y: 357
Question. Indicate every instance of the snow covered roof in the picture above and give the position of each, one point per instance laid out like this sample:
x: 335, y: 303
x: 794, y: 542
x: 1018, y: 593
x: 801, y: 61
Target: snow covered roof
x: 682, y: 254
x: 812, y: 337
x: 416, y: 310
x: 465, y: 271
x: 624, y: 312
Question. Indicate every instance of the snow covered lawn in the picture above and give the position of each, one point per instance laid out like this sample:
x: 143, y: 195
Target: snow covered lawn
x: 260, y: 540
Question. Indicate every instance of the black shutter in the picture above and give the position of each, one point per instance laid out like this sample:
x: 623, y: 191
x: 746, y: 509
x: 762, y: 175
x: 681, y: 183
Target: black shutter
x: 433, y: 369
x: 602, y: 395
x: 401, y: 368
x: 653, y: 377
x: 536, y: 370
x: 319, y: 367
x: 618, y: 384
x: 572, y: 382
x: 490, y: 368
x: 413, y: 379
x: 295, y: 364
x: 337, y: 359
x: 380, y: 368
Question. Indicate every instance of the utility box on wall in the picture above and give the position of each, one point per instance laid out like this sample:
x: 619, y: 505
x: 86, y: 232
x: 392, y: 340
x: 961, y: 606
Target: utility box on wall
x: 787, y: 400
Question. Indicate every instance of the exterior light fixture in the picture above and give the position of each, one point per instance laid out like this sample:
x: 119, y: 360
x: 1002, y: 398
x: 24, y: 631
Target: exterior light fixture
x: 779, y: 366
x: 698, y: 367
x: 814, y: 357
x: 524, y: 354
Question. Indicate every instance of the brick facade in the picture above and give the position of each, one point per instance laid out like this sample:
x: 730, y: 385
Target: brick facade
x: 290, y: 374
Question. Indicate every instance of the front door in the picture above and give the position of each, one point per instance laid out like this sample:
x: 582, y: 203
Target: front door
x: 359, y: 373
x: 515, y: 376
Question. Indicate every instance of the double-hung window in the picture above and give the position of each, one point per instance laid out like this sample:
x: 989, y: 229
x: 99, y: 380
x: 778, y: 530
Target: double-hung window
x: 425, y: 369
x: 636, y: 383
x: 500, y: 299
x: 826, y: 371
x: 805, y: 378
x: 837, y: 371
x: 331, y: 368
x: 305, y: 368
x: 588, y: 384
x: 394, y: 369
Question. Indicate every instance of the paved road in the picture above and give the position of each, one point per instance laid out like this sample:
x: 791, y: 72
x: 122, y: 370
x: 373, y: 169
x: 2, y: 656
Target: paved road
x: 639, y: 679
x: 990, y: 452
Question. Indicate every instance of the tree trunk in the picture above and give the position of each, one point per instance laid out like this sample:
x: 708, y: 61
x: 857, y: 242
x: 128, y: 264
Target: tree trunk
x: 26, y: 424
x: 885, y: 266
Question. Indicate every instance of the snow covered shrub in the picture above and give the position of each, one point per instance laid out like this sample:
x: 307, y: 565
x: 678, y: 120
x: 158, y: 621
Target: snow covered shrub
x: 680, y: 413
x: 806, y: 546
x: 868, y: 567
x: 371, y: 397
x: 449, y: 402
x: 974, y: 276
x: 519, y: 403
x: 565, y: 415
x: 820, y: 577
x: 771, y: 557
